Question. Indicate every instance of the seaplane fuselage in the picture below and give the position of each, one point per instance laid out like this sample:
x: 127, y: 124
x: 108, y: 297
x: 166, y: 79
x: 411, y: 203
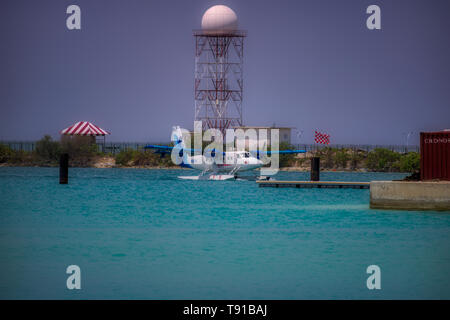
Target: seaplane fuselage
x: 231, y: 162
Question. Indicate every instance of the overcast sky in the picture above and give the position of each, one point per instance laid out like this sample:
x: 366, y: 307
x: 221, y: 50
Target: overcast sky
x: 310, y: 64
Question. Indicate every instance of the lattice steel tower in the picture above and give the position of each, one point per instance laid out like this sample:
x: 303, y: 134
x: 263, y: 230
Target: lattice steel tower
x: 219, y: 53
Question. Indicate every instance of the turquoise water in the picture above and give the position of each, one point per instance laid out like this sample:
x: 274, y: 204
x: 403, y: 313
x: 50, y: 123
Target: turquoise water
x: 145, y: 234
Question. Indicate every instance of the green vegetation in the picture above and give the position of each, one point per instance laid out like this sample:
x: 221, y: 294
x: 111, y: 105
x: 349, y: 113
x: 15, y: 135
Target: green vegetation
x: 47, y: 153
x: 410, y: 162
x: 327, y: 157
x: 48, y: 150
x: 286, y: 160
x: 380, y: 159
x: 341, y: 158
x: 142, y: 158
x: 124, y: 158
x: 5, y: 153
x: 83, y: 152
x: 355, y: 158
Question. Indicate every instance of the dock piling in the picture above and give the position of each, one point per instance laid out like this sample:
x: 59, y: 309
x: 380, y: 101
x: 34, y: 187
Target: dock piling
x: 64, y: 169
x: 315, y: 169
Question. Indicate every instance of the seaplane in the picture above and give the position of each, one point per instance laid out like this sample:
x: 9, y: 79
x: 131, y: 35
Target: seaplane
x: 234, y: 165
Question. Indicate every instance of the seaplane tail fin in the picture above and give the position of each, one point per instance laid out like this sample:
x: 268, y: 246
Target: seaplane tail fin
x: 179, y: 144
x: 177, y: 137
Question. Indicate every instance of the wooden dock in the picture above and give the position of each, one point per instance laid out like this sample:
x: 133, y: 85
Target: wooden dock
x: 314, y: 184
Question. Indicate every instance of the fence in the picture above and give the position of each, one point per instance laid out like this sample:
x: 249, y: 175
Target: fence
x: 108, y: 147
x: 116, y: 147
x: 20, y: 145
x: 364, y: 147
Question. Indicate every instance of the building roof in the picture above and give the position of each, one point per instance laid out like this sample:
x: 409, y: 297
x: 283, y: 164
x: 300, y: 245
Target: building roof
x: 84, y: 128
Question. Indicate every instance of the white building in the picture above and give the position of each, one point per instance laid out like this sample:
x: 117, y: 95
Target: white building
x: 284, y: 132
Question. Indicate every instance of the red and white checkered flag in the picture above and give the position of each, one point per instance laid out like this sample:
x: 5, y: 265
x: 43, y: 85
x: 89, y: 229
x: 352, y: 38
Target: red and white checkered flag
x: 321, y: 138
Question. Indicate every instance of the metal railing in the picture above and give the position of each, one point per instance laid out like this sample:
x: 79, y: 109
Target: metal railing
x: 20, y: 145
x: 362, y: 147
x: 116, y: 147
x: 107, y: 147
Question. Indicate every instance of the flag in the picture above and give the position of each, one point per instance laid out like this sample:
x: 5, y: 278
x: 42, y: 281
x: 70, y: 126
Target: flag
x: 321, y: 138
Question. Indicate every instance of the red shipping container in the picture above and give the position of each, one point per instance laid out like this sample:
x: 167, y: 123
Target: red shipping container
x: 435, y: 155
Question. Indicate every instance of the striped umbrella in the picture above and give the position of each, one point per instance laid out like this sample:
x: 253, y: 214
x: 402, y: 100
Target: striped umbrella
x: 84, y: 128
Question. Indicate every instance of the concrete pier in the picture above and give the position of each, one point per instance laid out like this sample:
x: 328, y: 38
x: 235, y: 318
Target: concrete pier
x: 410, y: 195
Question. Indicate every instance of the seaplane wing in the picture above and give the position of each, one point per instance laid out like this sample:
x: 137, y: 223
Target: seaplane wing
x: 160, y: 149
x: 258, y: 152
x: 168, y: 149
x: 281, y: 151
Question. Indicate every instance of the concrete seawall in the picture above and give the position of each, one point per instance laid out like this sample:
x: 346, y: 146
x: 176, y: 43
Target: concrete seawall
x: 410, y: 195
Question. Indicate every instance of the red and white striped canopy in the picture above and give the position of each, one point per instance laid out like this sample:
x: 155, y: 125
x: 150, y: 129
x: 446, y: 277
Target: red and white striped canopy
x: 84, y: 128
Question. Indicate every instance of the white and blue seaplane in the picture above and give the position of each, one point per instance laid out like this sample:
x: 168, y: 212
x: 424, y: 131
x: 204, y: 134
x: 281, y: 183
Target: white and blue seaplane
x: 233, y: 164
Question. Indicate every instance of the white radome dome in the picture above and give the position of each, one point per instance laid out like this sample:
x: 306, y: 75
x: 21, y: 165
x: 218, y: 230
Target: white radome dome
x: 219, y: 20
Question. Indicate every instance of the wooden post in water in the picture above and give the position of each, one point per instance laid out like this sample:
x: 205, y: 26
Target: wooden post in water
x: 64, y: 169
x: 315, y: 169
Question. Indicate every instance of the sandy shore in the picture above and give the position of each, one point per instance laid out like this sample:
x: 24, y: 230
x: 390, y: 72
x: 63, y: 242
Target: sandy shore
x: 110, y: 162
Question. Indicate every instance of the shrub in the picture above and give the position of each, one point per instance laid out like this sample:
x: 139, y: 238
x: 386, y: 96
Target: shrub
x: 327, y: 157
x: 410, y: 162
x: 381, y: 159
x: 355, y: 158
x: 17, y: 157
x: 125, y: 157
x: 145, y: 158
x: 21, y: 157
x: 47, y: 149
x: 164, y: 160
x: 79, y: 148
x: 142, y: 158
x: 5, y: 153
x: 286, y: 160
x: 341, y: 158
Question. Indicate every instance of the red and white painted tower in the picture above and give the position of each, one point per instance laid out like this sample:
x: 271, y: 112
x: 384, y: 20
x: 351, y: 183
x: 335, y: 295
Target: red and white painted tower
x: 219, y: 53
